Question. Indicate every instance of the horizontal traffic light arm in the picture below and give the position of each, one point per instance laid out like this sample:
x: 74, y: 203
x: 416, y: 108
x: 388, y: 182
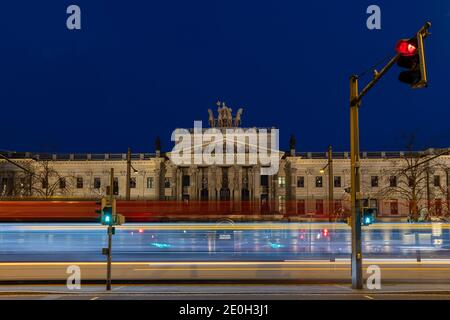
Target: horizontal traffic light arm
x: 378, y: 75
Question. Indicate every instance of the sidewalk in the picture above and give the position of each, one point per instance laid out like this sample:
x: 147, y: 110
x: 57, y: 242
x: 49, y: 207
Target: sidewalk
x: 223, y: 289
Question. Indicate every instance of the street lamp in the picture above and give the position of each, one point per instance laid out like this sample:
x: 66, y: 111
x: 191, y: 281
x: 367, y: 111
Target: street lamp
x: 129, y: 167
x: 330, y: 181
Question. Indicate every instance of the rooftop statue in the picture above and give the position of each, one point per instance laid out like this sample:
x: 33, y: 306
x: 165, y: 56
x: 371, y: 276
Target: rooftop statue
x: 224, y: 117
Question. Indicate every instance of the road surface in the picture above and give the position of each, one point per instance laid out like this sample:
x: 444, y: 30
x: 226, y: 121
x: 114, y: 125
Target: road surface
x: 258, y: 251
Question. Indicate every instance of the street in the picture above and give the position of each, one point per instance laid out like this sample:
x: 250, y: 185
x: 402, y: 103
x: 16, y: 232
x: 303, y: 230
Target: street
x: 231, y: 292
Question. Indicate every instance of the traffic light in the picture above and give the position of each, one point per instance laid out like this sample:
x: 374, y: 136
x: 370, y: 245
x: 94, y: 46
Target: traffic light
x: 412, y: 57
x: 107, y: 216
x: 98, y: 208
x: 368, y: 217
x: 107, y: 211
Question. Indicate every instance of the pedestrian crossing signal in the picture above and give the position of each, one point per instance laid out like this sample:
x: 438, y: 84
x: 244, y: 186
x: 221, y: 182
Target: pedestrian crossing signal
x: 106, y: 211
x: 368, y: 217
x: 107, y: 216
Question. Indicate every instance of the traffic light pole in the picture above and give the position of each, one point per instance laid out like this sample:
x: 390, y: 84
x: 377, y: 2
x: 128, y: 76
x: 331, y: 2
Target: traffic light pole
x: 355, y: 187
x: 110, y: 234
x: 447, y: 176
x: 330, y: 184
x: 128, y: 192
x: 355, y: 192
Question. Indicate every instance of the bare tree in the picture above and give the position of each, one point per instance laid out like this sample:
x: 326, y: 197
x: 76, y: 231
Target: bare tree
x: 409, y: 180
x: 443, y: 192
x: 41, y: 180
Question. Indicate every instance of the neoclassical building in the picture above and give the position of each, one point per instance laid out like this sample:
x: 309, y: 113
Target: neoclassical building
x: 300, y: 185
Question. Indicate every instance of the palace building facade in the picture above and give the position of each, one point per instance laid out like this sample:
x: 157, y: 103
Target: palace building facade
x: 299, y: 185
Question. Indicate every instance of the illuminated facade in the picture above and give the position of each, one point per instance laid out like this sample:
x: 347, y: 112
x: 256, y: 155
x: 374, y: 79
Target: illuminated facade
x: 300, y: 179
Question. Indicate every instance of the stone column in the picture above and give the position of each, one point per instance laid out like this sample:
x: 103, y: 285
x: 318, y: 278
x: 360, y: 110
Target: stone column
x: 251, y: 184
x: 193, y: 190
x: 179, y: 175
x: 257, y: 182
x: 239, y: 183
x: 211, y: 183
x: 157, y: 186
x: 218, y: 182
x: 231, y: 182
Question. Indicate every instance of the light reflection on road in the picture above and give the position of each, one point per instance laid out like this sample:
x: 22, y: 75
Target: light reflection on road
x: 210, y: 242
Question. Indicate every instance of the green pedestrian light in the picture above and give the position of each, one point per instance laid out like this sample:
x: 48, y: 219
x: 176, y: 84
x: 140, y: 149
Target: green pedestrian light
x: 368, y: 216
x: 107, y: 216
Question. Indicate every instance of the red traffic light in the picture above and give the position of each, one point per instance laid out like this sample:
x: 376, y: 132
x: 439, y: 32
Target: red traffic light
x: 406, y: 48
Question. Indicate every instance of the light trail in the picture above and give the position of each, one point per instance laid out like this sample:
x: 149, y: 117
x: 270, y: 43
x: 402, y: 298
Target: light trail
x: 234, y: 263
x: 214, y: 227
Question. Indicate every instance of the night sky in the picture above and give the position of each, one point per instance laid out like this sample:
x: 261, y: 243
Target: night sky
x: 138, y: 69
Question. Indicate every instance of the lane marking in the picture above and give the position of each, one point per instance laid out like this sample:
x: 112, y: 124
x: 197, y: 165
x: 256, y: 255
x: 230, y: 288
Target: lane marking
x: 234, y: 263
x: 286, y: 269
x: 369, y: 297
x: 243, y: 269
x: 118, y: 288
x: 94, y: 298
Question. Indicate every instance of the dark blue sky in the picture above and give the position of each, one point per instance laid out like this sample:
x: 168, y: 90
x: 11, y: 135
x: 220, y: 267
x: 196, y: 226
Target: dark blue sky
x: 147, y: 67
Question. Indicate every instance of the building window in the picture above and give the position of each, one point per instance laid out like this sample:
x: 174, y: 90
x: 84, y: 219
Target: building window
x: 150, y: 183
x: 374, y: 181
x: 393, y: 181
x: 319, y: 182
x: 300, y: 182
x: 337, y: 182
x: 186, y: 181
x: 437, y: 181
x: 97, y: 183
x: 133, y: 183
x: 264, y: 181
x: 410, y: 182
x: 394, y: 207
x: 167, y: 183
x: 282, y: 182
x: 115, y: 187
x: 79, y: 183
x: 4, y: 186
x: 205, y: 183
x: 62, y: 183
x: 319, y: 207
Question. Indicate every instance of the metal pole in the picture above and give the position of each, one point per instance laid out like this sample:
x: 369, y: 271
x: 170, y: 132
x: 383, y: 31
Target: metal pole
x: 128, y: 195
x: 330, y: 184
x: 31, y: 185
x: 356, y: 256
x: 110, y: 232
x: 428, y: 190
x: 447, y: 174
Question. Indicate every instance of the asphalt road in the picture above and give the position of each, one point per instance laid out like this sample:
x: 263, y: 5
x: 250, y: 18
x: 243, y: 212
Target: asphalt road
x: 209, y: 242
x: 299, y: 272
x: 210, y: 292
x: 249, y: 251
